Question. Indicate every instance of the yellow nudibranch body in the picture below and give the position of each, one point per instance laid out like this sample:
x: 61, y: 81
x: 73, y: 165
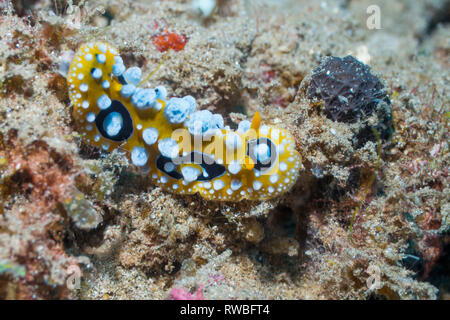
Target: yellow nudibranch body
x: 182, y: 150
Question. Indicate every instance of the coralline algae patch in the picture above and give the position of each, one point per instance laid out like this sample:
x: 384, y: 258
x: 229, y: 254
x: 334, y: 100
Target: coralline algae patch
x: 169, y: 40
x: 182, y: 150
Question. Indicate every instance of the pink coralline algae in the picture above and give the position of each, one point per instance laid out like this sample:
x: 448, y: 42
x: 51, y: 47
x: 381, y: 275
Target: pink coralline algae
x: 183, y: 294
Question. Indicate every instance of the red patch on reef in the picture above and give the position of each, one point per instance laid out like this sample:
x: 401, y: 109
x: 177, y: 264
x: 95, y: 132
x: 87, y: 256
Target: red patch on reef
x: 170, y: 40
x: 267, y: 73
x: 281, y: 101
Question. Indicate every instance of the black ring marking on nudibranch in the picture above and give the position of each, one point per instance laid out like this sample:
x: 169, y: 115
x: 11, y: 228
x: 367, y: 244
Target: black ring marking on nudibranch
x: 122, y: 80
x: 262, y: 165
x: 211, y: 169
x: 127, y: 128
x: 92, y: 71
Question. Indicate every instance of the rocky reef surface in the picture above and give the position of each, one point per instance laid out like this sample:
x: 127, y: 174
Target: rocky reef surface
x: 369, y: 110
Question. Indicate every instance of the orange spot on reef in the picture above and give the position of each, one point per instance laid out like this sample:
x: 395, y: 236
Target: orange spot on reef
x: 169, y: 40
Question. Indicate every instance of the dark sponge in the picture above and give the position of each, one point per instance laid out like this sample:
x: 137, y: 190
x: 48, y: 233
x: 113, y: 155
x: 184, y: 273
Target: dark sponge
x: 352, y: 93
x: 347, y: 87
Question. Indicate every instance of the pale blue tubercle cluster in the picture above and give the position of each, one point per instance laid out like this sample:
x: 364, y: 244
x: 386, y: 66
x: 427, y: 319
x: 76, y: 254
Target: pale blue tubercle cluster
x: 178, y: 110
x: 118, y: 67
x: 101, y: 58
x: 139, y: 156
x: 168, y: 148
x: 113, y: 123
x: 96, y: 73
x: 127, y: 90
x: 161, y: 92
x: 143, y: 99
x: 198, y: 123
x: 233, y: 141
x: 133, y: 75
x: 203, y: 122
x: 262, y: 153
x: 106, y: 84
x: 150, y: 135
x: 244, y: 126
x: 190, y: 173
x: 103, y: 102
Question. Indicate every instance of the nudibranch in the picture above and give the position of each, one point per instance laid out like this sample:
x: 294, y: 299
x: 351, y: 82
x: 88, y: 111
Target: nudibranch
x: 183, y: 150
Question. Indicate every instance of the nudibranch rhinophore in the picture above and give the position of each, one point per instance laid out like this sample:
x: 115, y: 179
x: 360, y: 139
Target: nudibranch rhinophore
x: 183, y: 150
